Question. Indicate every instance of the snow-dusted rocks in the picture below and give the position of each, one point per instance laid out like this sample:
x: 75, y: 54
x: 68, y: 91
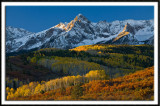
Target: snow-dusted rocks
x: 15, y: 38
x: 81, y: 31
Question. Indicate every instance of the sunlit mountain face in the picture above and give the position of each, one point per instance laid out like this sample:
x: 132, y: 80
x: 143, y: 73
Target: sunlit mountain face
x: 81, y: 31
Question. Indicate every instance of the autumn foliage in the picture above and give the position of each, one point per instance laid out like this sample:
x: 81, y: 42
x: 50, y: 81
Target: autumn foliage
x: 36, y: 87
x: 89, y: 72
x: 136, y: 86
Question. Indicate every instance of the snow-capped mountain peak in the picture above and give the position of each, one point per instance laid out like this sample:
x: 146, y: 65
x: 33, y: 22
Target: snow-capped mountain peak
x: 81, y: 31
x: 82, y: 18
x: 77, y: 20
x: 12, y: 32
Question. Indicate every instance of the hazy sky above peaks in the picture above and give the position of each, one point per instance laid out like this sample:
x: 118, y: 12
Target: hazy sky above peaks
x: 38, y: 18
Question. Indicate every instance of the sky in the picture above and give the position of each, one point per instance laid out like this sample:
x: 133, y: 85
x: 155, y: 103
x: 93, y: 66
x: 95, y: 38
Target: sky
x: 39, y: 18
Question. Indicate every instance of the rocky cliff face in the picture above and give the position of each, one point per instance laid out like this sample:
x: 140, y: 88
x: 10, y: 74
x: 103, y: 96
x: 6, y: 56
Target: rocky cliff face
x: 81, y: 31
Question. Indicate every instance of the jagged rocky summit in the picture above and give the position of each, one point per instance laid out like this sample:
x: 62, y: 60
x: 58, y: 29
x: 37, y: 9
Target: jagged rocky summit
x: 81, y: 31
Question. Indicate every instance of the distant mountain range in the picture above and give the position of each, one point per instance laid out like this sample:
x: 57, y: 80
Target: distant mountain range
x: 81, y: 31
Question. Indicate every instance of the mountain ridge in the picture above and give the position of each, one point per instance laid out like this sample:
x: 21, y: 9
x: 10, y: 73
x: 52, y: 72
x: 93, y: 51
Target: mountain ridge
x: 81, y: 31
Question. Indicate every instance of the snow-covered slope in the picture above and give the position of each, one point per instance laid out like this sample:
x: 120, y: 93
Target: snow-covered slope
x: 15, y: 38
x: 80, y: 31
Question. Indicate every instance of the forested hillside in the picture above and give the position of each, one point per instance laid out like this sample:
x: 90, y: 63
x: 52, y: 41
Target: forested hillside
x: 51, y: 71
x: 92, y: 86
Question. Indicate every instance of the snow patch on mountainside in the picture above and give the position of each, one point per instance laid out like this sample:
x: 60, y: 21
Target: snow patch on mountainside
x: 144, y: 34
x: 80, y: 31
x: 91, y: 42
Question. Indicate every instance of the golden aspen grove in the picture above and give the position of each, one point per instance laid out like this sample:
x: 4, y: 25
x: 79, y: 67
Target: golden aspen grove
x: 89, y: 72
